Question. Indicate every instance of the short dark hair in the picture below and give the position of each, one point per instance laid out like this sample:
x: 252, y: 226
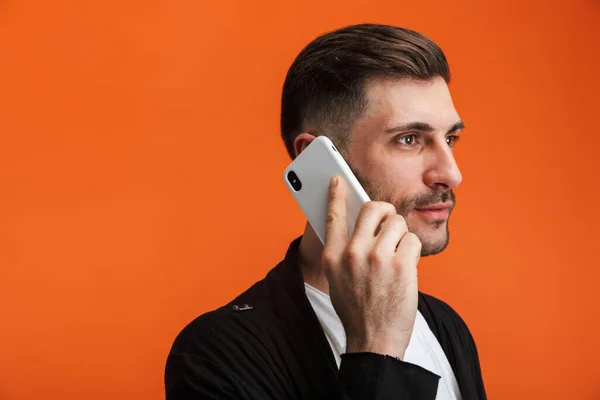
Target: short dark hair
x: 325, y: 86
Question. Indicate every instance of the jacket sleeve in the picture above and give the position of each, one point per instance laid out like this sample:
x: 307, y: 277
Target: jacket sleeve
x: 378, y: 377
x: 362, y: 376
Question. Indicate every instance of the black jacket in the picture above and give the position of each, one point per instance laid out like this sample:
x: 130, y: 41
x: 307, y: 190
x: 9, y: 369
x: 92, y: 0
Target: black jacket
x: 268, y: 344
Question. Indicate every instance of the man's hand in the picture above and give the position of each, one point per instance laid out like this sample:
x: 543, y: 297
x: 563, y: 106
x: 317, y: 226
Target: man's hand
x: 372, y: 275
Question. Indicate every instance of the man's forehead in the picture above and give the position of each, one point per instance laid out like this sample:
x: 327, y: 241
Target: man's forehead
x: 401, y: 101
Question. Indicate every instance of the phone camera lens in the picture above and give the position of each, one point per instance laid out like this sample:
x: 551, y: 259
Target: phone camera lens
x: 294, y: 181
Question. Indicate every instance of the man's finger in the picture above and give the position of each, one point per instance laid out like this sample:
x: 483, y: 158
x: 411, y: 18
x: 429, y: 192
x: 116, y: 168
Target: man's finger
x: 336, y: 225
x: 392, y: 232
x: 409, y: 248
x: 370, y: 218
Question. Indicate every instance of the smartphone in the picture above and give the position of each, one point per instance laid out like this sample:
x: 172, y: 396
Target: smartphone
x: 308, y: 177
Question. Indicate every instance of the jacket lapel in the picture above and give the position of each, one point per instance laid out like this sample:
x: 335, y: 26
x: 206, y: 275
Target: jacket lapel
x: 304, y: 333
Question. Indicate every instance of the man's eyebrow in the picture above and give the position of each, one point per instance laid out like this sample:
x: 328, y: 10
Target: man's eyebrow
x: 423, y: 127
x: 458, y: 126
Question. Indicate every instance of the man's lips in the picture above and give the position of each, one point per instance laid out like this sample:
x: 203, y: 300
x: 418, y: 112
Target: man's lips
x: 437, y: 206
x: 440, y: 211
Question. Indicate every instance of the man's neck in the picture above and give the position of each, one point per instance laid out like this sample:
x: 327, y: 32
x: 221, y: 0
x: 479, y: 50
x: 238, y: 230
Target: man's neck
x: 310, y: 254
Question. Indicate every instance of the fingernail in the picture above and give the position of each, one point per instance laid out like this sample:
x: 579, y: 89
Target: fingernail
x: 334, y: 181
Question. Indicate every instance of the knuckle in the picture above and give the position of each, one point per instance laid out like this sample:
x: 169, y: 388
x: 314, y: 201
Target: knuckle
x: 330, y: 261
x: 332, y: 216
x: 328, y: 258
x: 374, y: 206
x: 390, y: 208
x: 398, y: 222
x: 397, y: 263
x: 376, y: 258
x: 369, y: 206
x: 352, y: 255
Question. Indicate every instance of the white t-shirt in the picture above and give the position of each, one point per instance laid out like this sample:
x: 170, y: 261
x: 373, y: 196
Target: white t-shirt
x: 423, y: 349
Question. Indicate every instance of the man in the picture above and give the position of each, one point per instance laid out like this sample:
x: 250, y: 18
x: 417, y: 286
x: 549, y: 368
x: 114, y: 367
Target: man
x: 346, y: 320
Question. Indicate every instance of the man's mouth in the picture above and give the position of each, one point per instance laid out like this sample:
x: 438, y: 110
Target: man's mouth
x: 435, y: 212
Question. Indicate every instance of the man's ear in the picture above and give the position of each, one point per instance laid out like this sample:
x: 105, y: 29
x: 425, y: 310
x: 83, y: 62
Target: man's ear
x: 302, y: 141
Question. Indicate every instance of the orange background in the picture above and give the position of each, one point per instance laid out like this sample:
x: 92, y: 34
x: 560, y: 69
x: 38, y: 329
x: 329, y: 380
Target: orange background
x: 141, y: 182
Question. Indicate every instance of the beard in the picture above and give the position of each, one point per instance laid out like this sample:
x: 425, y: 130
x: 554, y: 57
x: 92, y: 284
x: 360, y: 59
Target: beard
x: 404, y: 206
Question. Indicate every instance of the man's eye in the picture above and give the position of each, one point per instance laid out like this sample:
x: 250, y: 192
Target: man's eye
x: 452, y: 140
x: 407, y: 140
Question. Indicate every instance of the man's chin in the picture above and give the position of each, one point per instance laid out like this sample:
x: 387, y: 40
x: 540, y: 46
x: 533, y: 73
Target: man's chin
x: 433, y: 242
x: 430, y: 249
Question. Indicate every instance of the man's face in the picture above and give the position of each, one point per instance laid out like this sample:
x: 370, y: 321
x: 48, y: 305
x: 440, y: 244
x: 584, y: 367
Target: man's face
x: 401, y: 152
